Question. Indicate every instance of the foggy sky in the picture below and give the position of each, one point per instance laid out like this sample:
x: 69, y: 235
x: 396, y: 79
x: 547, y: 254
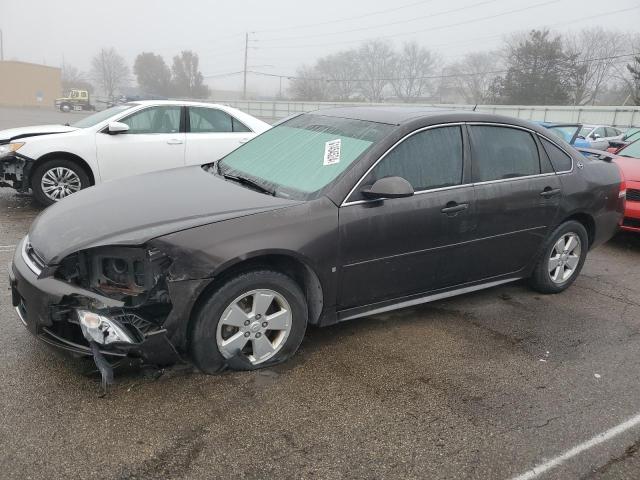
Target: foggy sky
x: 287, y: 34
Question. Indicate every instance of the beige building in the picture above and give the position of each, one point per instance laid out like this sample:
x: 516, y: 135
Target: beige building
x: 28, y: 84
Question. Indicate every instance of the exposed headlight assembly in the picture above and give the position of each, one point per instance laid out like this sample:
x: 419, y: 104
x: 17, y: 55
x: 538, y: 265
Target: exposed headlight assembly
x: 102, y: 329
x: 8, y: 148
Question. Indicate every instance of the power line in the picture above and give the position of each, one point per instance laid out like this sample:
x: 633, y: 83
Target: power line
x: 399, y: 22
x: 425, y: 77
x: 346, y: 19
x: 439, y: 27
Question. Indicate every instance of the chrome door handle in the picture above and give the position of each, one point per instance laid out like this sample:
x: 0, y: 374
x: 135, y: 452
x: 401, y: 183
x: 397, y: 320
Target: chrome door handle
x: 174, y: 141
x: 244, y: 140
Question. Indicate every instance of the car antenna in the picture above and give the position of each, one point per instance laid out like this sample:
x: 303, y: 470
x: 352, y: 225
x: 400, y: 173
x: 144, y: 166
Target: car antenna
x: 474, y: 107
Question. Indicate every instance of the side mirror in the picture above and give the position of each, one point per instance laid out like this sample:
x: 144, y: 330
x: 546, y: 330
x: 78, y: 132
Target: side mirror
x: 595, y: 136
x: 389, y: 187
x: 117, y: 127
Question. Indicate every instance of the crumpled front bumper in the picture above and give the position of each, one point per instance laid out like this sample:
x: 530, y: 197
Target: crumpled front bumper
x: 15, y: 168
x: 44, y: 305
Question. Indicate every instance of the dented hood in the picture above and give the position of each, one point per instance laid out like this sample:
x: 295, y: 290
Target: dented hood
x: 136, y: 209
x: 25, y: 132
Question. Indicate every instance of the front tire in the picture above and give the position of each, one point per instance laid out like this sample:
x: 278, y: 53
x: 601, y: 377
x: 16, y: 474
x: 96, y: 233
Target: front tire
x: 56, y: 179
x: 562, y: 258
x: 255, y: 320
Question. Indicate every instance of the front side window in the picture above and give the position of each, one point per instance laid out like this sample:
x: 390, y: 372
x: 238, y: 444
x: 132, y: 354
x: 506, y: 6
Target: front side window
x: 427, y: 160
x: 501, y: 152
x: 598, y: 132
x: 163, y: 119
x: 302, y: 156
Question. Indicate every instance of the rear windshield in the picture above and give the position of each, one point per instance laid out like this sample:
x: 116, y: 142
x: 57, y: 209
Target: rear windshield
x: 303, y: 156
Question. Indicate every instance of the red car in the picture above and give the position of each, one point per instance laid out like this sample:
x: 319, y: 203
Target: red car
x: 628, y: 159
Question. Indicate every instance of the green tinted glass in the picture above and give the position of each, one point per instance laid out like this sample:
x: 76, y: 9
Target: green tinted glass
x: 305, y: 154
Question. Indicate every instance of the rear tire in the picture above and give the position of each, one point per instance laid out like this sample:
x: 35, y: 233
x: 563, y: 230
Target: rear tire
x: 56, y: 179
x: 562, y: 258
x: 256, y: 319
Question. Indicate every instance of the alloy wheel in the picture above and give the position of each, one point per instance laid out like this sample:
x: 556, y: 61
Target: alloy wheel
x: 59, y: 182
x: 255, y: 325
x: 565, y: 257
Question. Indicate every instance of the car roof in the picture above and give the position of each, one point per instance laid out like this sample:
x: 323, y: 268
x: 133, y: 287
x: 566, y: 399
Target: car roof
x: 177, y: 102
x: 399, y: 115
x: 392, y: 115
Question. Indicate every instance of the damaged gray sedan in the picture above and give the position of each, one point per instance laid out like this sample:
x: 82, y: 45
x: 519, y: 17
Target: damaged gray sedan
x: 329, y: 216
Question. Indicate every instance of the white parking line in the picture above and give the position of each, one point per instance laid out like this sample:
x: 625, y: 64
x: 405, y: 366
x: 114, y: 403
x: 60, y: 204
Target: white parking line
x: 597, y: 440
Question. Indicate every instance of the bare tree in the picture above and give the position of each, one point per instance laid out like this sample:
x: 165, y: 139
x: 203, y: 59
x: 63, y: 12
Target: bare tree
x: 627, y: 73
x: 591, y: 53
x: 74, y: 78
x: 109, y: 71
x: 473, y: 76
x: 413, y: 65
x: 308, y: 85
x: 377, y: 62
x: 341, y: 70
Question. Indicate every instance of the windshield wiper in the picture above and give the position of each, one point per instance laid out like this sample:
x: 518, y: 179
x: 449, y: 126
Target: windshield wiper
x: 250, y: 183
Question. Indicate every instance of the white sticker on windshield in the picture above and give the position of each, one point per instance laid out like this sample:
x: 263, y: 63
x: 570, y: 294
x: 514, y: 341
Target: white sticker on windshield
x: 332, y: 152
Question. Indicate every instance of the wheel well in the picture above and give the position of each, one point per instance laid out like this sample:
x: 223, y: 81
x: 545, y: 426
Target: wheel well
x: 67, y: 156
x: 302, y: 274
x: 587, y: 222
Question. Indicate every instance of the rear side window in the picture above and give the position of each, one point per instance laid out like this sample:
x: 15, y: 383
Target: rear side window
x: 212, y: 120
x: 561, y: 161
x: 238, y: 126
x: 209, y: 120
x: 427, y: 160
x: 501, y: 152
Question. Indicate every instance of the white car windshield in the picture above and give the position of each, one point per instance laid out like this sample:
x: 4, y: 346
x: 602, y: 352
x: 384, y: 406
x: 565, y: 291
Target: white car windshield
x: 98, y: 117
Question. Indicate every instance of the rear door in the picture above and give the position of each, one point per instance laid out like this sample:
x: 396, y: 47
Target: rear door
x: 517, y: 198
x: 397, y: 247
x: 212, y: 133
x: 154, y: 141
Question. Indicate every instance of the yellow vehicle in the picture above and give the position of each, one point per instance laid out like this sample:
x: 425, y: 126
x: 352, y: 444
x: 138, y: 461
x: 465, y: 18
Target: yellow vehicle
x: 76, y: 100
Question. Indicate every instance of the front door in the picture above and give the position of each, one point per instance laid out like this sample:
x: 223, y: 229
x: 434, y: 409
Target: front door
x: 154, y: 141
x: 517, y: 199
x: 397, y: 247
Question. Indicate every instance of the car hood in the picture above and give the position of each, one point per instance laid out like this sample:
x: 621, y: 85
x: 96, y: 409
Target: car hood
x: 630, y: 167
x: 133, y: 210
x: 23, y: 132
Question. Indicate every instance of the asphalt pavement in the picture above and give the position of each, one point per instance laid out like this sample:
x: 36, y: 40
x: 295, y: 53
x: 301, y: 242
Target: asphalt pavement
x: 483, y: 386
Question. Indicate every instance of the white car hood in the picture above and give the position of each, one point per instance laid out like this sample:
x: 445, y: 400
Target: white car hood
x: 23, y: 132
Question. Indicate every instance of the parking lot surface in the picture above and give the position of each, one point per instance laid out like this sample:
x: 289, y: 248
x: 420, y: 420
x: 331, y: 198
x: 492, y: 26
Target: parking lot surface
x: 487, y: 385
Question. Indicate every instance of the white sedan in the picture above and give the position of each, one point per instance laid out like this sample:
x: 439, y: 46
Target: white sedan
x: 138, y: 137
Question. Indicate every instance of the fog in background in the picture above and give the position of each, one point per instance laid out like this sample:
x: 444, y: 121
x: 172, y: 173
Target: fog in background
x: 284, y: 34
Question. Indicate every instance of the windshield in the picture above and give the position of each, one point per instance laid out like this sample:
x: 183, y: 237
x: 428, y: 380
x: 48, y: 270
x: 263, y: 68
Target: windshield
x: 631, y: 135
x: 98, y: 117
x: 300, y: 157
x: 565, y: 132
x: 632, y: 150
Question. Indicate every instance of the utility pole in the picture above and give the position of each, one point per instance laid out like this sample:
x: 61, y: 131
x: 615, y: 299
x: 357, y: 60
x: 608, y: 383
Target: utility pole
x: 1, y: 48
x: 246, y: 53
